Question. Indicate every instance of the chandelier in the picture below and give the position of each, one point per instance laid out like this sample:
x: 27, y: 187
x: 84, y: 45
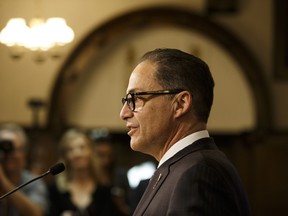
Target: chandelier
x: 40, y: 36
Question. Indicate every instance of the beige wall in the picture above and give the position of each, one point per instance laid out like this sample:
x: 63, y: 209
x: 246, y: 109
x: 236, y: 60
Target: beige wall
x: 96, y: 99
x: 24, y: 78
x: 254, y: 25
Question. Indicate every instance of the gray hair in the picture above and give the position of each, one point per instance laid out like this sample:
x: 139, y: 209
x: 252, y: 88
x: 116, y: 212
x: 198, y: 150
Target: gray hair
x: 15, y: 129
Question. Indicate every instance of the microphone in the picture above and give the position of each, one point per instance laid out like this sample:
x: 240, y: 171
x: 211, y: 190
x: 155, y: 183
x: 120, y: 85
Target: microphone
x: 54, y: 170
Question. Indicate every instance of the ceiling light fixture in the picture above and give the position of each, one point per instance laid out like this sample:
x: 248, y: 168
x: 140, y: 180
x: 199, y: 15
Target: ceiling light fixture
x: 40, y: 36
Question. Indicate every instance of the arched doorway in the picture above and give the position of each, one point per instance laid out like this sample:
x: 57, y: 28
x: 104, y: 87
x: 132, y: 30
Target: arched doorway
x: 103, y: 40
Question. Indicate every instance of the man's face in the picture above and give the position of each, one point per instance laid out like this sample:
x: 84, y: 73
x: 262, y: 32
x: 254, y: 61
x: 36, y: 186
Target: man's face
x: 149, y: 125
x: 104, y: 153
x: 15, y: 160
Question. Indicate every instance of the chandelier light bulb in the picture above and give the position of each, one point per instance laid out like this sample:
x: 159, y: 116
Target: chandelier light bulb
x: 15, y: 32
x: 59, y: 32
x: 39, y: 36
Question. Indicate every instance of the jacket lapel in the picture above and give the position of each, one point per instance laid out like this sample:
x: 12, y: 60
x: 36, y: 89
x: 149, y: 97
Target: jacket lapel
x: 155, y: 182
x: 162, y: 172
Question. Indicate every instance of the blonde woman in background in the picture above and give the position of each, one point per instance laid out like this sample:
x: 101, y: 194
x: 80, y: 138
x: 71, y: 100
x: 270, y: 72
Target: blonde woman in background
x: 78, y: 190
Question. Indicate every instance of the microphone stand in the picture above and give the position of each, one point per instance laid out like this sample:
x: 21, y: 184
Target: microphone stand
x: 20, y: 186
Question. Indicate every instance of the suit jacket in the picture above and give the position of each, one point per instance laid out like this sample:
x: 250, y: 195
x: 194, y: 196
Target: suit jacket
x: 198, y: 181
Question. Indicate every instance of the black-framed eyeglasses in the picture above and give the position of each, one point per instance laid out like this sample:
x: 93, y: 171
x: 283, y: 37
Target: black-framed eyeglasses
x: 131, y: 97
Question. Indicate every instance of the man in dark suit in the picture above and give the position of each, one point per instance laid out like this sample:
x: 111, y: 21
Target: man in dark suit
x: 166, y: 109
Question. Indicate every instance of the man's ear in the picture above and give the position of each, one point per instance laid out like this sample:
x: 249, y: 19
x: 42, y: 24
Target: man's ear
x: 182, y: 103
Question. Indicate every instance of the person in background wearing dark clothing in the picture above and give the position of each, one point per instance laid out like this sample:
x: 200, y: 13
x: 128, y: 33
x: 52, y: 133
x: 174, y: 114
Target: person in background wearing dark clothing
x: 166, y: 109
x: 137, y: 193
x: 31, y: 200
x: 113, y: 175
x: 79, y: 191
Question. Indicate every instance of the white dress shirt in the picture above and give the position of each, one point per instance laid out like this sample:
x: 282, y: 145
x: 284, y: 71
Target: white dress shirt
x: 181, y: 144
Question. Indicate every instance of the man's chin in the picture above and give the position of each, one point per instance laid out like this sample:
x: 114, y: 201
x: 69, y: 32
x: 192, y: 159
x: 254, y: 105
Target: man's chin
x: 134, y: 145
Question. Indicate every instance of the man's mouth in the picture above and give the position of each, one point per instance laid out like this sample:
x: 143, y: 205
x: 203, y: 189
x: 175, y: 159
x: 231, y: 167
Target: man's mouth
x: 132, y: 130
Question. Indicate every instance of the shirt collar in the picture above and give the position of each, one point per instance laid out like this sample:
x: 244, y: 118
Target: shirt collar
x: 181, y: 144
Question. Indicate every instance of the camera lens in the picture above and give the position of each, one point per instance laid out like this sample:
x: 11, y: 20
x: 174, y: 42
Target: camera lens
x: 6, y: 145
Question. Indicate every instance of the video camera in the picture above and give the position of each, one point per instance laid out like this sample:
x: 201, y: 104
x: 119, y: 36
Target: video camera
x: 6, y: 146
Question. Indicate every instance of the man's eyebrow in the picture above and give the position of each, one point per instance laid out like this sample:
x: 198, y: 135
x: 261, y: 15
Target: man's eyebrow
x: 134, y: 90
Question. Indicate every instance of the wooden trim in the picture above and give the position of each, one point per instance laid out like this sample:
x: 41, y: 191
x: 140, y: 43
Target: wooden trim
x: 281, y: 39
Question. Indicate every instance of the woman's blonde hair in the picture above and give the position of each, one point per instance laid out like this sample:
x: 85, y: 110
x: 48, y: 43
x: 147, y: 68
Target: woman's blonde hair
x: 65, y: 140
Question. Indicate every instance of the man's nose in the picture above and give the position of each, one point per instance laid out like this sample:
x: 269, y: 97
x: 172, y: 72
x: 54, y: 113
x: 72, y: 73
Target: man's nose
x: 125, y: 112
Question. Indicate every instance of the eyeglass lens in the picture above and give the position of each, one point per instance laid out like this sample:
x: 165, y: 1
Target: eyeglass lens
x: 130, y: 99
